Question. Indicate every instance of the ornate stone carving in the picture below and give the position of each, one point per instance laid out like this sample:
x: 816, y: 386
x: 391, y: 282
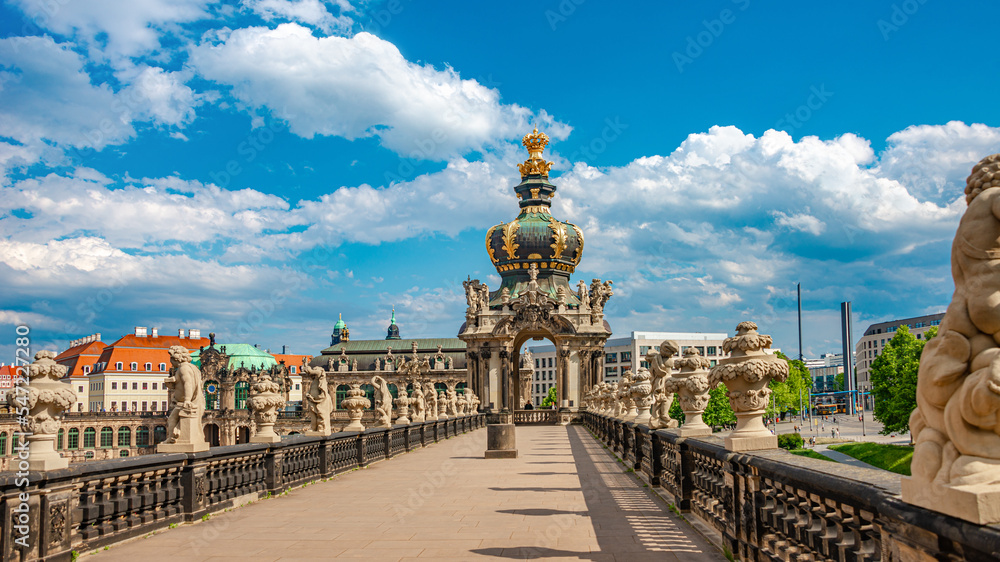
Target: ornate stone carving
x: 956, y: 425
x: 692, y: 386
x: 430, y: 396
x: 265, y: 401
x: 57, y: 523
x: 419, y: 403
x: 184, y: 429
x: 41, y: 408
x: 627, y: 410
x: 355, y: 404
x: 641, y: 394
x: 746, y: 373
x: 317, y: 400
x: 383, y: 402
x: 452, y: 405
x: 661, y: 364
x: 443, y: 403
x: 599, y: 295
x: 472, y: 400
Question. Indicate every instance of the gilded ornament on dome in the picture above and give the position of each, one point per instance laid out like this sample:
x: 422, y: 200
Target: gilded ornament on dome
x: 489, y: 245
x: 559, y: 234
x: 508, y: 239
x: 535, y: 165
x: 579, y: 249
x: 534, y: 193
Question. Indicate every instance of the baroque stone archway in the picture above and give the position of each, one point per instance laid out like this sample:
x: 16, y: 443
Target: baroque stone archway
x: 535, y: 255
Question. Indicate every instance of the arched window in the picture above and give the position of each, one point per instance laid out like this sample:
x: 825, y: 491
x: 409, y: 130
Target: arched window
x: 59, y: 439
x: 74, y: 438
x: 107, y: 437
x: 3, y: 443
x: 142, y: 436
x: 89, y: 438
x: 13, y: 445
x: 460, y: 387
x: 439, y: 386
x: 134, y: 366
x: 242, y: 393
x: 211, y: 395
x: 394, y: 391
x: 369, y: 391
x: 124, y: 437
x: 149, y: 366
x: 163, y: 366
x: 159, y: 434
x: 118, y: 366
x: 341, y: 395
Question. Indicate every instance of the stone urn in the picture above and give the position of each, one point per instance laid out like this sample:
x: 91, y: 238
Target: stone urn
x: 355, y: 404
x: 265, y: 401
x: 691, y: 385
x: 746, y: 373
x: 642, y: 395
x: 403, y: 406
x: 40, y: 406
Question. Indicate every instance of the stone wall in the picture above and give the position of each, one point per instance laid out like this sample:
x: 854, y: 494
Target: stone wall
x: 772, y: 505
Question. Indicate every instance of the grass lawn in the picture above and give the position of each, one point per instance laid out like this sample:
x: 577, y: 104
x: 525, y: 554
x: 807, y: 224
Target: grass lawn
x: 894, y: 458
x: 810, y: 453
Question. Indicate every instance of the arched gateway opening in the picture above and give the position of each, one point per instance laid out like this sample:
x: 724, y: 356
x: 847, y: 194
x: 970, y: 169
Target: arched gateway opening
x: 535, y: 255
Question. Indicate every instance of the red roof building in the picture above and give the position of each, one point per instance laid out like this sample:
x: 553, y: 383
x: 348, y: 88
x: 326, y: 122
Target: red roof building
x: 79, y: 361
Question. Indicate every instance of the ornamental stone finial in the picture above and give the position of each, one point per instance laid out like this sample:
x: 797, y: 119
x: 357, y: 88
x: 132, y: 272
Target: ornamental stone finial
x: 642, y: 395
x: 355, y: 404
x: 265, y: 401
x: 692, y: 386
x: 746, y: 373
x: 956, y: 425
x: 40, y: 407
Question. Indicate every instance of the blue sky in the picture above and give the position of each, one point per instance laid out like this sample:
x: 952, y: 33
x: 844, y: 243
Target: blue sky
x: 256, y: 168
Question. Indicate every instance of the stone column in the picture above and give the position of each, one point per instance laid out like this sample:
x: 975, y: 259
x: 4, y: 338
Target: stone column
x: 746, y: 373
x: 40, y: 406
x: 506, y: 394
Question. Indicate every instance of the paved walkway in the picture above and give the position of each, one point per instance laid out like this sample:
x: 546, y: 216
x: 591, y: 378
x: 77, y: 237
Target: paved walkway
x: 564, y: 498
x: 843, y: 458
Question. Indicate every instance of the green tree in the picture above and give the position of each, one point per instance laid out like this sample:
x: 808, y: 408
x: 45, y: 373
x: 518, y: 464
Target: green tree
x: 785, y: 394
x: 894, y: 379
x: 550, y: 400
x: 838, y: 382
x: 675, y: 410
x: 718, y: 412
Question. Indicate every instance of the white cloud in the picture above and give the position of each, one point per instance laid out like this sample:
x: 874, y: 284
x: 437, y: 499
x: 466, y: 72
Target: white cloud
x: 154, y: 94
x: 47, y: 95
x: 310, y: 12
x: 361, y: 87
x: 116, y: 28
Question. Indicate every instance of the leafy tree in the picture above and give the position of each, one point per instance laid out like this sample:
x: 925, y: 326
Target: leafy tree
x: 675, y: 410
x: 719, y: 412
x: 785, y: 394
x: 894, y: 379
x: 838, y: 382
x: 550, y: 400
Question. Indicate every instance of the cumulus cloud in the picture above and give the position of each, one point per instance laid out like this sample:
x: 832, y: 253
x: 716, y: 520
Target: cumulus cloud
x: 47, y: 96
x: 154, y: 94
x: 114, y: 28
x: 309, y: 12
x: 360, y: 87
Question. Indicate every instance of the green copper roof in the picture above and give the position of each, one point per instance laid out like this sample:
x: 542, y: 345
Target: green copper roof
x: 402, y: 346
x: 340, y: 325
x: 241, y: 355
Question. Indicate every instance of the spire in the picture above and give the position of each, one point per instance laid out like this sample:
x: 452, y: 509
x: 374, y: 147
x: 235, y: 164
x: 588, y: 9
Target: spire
x: 393, y: 320
x: 393, y: 332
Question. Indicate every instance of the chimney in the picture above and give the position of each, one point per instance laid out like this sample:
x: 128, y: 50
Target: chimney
x: 156, y: 333
x: 140, y: 331
x: 283, y: 349
x: 98, y: 335
x: 194, y: 334
x: 180, y: 333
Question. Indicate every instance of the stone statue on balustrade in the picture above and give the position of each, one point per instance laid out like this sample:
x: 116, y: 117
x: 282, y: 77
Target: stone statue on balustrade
x: 598, y: 297
x: 462, y: 405
x: 956, y: 425
x: 419, y: 403
x: 692, y: 386
x: 641, y: 394
x: 746, y: 374
x: 383, y: 402
x: 265, y: 401
x: 661, y: 366
x: 443, y: 405
x: 39, y: 400
x: 628, y: 410
x: 452, y: 408
x: 317, y: 401
x: 473, y: 400
x: 184, y: 430
x: 431, y: 397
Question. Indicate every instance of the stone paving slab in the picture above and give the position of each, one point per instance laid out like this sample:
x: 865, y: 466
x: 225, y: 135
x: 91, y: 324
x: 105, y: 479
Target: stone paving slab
x: 564, y: 498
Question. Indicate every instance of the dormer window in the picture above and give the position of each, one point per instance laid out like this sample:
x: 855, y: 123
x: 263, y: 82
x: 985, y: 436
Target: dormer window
x: 134, y: 366
x: 149, y: 366
x: 118, y: 366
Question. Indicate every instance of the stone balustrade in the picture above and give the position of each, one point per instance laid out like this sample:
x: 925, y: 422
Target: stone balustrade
x: 772, y: 505
x: 92, y: 504
x: 527, y: 417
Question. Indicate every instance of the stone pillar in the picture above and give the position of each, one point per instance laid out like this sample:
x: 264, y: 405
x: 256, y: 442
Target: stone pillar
x: 506, y: 392
x: 746, y: 373
x: 500, y: 441
x: 40, y: 405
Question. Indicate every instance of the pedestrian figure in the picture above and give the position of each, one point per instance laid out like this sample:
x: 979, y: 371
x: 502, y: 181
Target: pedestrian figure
x: 833, y: 433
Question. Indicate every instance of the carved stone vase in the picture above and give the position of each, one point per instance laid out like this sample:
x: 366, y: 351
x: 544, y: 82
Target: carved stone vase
x: 746, y: 373
x: 355, y: 404
x: 43, y: 404
x: 642, y: 395
x: 403, y: 405
x: 691, y: 385
x: 265, y: 401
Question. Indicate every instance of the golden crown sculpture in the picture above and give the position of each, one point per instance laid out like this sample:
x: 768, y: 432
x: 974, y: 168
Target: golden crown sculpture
x: 535, y: 165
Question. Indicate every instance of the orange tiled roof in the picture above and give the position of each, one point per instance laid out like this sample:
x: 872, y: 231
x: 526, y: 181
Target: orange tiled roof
x: 142, y: 350
x: 290, y: 359
x: 7, y: 376
x: 80, y: 356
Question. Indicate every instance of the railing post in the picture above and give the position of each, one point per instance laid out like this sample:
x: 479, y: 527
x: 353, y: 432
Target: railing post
x: 326, y: 458
x: 655, y: 458
x: 387, y: 442
x: 194, y: 482
x: 361, y: 449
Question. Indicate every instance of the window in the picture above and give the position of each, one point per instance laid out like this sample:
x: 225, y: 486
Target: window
x: 148, y: 366
x: 114, y: 405
x: 163, y: 366
x: 81, y: 389
x: 294, y: 369
x: 643, y: 350
x: 611, y: 371
x: 3, y: 443
x: 74, y: 438
x: 242, y: 394
x: 298, y: 386
x: 154, y: 386
x: 918, y: 325
x: 123, y: 453
x: 118, y: 366
x: 145, y: 386
x: 142, y: 436
x: 711, y: 350
x: 918, y: 336
x: 935, y: 322
x: 89, y: 438
x: 701, y: 350
x: 712, y: 362
x: 145, y: 406
x: 114, y: 386
x: 134, y: 406
x: 611, y: 358
x: 626, y: 356
x: 86, y: 369
x: 644, y: 364
x: 135, y: 386
x: 107, y: 437
x: 134, y: 366
x: 164, y: 404
x: 152, y: 405
x: 891, y: 329
x: 160, y: 434
x: 550, y: 361
x: 59, y: 439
